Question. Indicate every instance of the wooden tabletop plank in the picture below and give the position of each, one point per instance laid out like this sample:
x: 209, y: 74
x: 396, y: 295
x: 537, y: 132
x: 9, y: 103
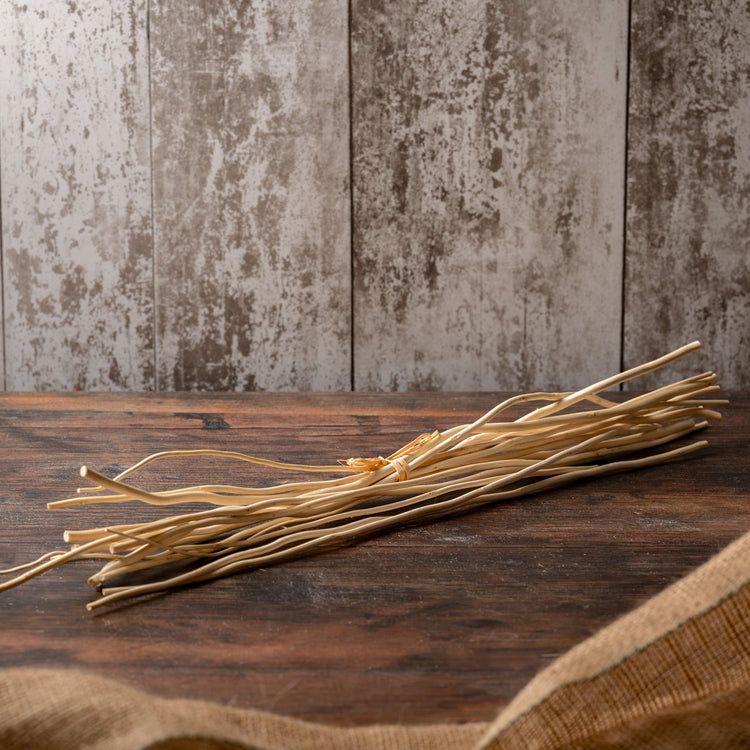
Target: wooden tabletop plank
x: 438, y: 622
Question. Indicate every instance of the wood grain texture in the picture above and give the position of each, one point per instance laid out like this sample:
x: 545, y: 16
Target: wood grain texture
x: 442, y: 622
x: 75, y: 174
x: 251, y: 197
x: 488, y: 185
x: 688, y: 228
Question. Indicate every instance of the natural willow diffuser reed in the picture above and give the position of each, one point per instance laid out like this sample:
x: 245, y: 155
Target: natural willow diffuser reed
x: 434, y: 475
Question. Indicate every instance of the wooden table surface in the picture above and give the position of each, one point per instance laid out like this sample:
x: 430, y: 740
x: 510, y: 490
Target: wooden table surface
x: 442, y: 622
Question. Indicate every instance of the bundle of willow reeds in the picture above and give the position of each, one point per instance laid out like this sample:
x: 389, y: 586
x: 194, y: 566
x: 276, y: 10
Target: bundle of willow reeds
x: 570, y: 436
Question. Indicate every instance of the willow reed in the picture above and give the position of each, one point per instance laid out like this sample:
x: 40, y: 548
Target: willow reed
x: 434, y: 475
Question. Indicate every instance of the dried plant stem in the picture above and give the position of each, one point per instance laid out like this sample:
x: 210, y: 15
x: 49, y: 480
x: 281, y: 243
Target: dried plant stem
x: 436, y: 474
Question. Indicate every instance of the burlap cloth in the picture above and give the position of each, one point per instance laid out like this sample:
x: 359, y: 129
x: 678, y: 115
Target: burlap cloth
x: 674, y: 673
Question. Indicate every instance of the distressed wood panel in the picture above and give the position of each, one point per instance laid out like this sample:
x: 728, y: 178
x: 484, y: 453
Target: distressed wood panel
x: 76, y: 195
x: 688, y: 213
x: 488, y: 179
x: 251, y: 192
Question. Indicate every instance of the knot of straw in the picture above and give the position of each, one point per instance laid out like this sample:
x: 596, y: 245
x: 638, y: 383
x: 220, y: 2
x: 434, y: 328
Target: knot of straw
x: 397, y: 459
x: 373, y: 464
x: 401, y: 467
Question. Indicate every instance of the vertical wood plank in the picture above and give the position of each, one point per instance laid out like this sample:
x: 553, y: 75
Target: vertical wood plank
x: 251, y: 193
x: 688, y: 213
x: 76, y: 195
x: 488, y: 181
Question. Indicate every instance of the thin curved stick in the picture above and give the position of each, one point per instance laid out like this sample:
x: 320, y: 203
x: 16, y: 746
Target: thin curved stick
x: 573, y: 435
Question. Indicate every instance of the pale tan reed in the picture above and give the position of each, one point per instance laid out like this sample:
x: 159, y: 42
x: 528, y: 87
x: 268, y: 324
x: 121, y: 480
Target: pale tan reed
x: 434, y: 475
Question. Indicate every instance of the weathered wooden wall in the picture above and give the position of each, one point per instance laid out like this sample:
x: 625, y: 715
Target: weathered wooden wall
x: 251, y: 196
x: 688, y: 210
x: 175, y: 195
x: 381, y: 195
x: 488, y: 174
x: 76, y: 197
